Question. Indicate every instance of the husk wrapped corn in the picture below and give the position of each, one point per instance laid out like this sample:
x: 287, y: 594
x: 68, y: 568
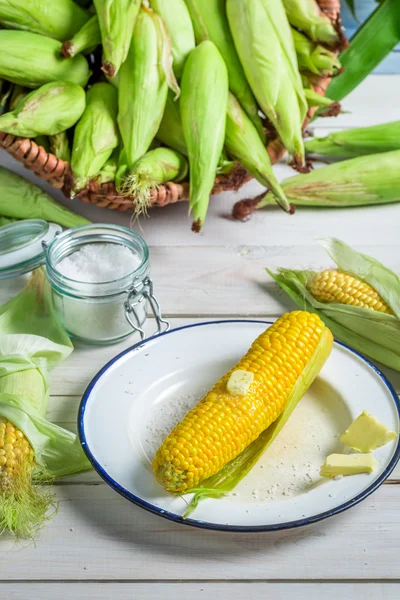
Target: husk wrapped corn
x: 59, y: 146
x: 84, y: 40
x: 315, y: 58
x: 307, y: 16
x: 170, y: 131
x: 351, y: 316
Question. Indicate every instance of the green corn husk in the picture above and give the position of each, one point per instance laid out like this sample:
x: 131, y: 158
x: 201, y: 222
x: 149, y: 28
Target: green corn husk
x: 307, y: 16
x: 210, y: 23
x: 18, y: 93
x: 96, y: 134
x: 143, y: 85
x: 370, y: 332
x: 20, y: 199
x: 151, y: 170
x: 177, y: 19
x: 59, y: 146
x: 315, y: 58
x: 263, y: 40
x: 51, y: 109
x: 32, y: 342
x: 109, y: 169
x: 32, y: 60
x: 117, y: 20
x: 360, y: 141
x: 59, y: 20
x: 43, y: 141
x: 375, y: 39
x: 243, y: 143
x: 6, y: 89
x: 203, y: 106
x: 362, y: 181
x: 6, y: 221
x: 170, y: 131
x: 314, y: 99
x: 85, y: 40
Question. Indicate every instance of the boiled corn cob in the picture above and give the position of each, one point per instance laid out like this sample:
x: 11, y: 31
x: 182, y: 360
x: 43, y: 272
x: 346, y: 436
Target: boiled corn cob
x: 210, y: 23
x: 307, y: 16
x: 315, y: 58
x: 86, y: 39
x: 338, y: 287
x: 222, y: 425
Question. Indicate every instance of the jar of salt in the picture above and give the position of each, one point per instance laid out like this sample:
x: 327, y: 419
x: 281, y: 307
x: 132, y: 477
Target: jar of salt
x: 99, y: 274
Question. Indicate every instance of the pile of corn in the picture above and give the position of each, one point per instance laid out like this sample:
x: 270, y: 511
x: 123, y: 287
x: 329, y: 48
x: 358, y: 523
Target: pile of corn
x: 144, y: 92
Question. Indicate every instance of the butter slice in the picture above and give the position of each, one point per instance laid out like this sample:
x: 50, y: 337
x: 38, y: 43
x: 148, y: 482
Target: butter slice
x: 239, y: 382
x: 366, y: 433
x: 347, y: 464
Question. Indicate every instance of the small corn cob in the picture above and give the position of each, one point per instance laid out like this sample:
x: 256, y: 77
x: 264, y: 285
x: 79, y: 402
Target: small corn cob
x: 176, y: 17
x: 85, y: 40
x: 170, y: 131
x: 265, y: 46
x: 16, y: 456
x: 117, y: 20
x: 366, y: 180
x: 351, y: 143
x: 222, y: 425
x: 338, y: 287
x: 210, y: 23
x: 96, y: 134
x: 315, y: 58
x: 59, y: 146
x: 59, y: 20
x: 307, y: 16
x: 203, y: 106
x: 51, y: 109
x: 243, y: 143
x: 32, y: 60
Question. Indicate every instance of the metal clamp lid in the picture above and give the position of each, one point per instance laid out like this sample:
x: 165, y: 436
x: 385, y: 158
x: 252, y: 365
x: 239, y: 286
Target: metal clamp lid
x: 135, y: 298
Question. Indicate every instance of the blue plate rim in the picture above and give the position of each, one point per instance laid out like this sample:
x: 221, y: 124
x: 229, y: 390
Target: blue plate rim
x: 220, y: 526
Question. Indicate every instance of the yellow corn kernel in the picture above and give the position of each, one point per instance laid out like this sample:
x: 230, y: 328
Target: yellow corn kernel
x: 338, y: 287
x: 222, y: 425
x: 14, y: 451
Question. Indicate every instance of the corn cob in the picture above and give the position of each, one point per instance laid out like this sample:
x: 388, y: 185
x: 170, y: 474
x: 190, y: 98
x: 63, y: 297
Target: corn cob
x: 203, y: 106
x: 117, y: 20
x: 16, y: 455
x: 96, y: 134
x: 59, y: 20
x: 357, y: 142
x: 51, y: 109
x: 151, y: 170
x: 266, y: 49
x: 85, y: 40
x: 307, y: 16
x: 222, y: 425
x: 176, y: 17
x: 243, y: 143
x: 142, y: 88
x: 366, y: 180
x: 170, y: 131
x: 31, y: 60
x: 315, y: 58
x: 210, y: 23
x: 59, y: 146
x: 336, y: 286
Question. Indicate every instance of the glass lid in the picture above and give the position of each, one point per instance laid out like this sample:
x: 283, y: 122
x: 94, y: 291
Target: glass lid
x: 23, y: 246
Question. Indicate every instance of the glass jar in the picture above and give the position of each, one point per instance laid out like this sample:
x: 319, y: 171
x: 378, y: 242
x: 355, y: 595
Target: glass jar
x: 94, y: 313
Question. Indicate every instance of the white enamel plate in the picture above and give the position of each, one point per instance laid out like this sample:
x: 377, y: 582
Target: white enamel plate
x: 137, y: 398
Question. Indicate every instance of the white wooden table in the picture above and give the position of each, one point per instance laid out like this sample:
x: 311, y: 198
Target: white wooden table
x: 99, y: 545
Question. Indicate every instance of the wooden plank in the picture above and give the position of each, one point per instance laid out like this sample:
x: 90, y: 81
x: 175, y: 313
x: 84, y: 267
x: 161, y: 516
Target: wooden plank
x: 199, y: 591
x: 98, y: 535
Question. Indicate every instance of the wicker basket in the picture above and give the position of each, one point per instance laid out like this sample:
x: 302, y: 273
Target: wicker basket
x: 57, y: 172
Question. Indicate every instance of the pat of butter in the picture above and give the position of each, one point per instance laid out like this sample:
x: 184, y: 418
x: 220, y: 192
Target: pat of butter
x: 239, y: 382
x: 366, y: 433
x: 347, y: 464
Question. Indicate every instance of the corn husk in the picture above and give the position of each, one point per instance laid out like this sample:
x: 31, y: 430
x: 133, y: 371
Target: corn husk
x: 266, y: 49
x: 109, y: 169
x: 315, y: 58
x: 51, y: 109
x: 143, y: 85
x: 170, y: 131
x: 96, y: 134
x: 375, y: 334
x: 360, y: 141
x: 362, y: 181
x: 31, y: 343
x: 85, y: 40
x: 43, y: 141
x: 203, y: 106
x: 59, y: 146
x: 59, y: 20
x: 210, y: 23
x: 331, y: 107
x: 18, y: 93
x: 307, y: 16
x: 243, y: 143
x: 6, y: 221
x: 32, y: 60
x: 6, y: 89
x: 117, y: 21
x: 177, y: 19
x: 20, y: 199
